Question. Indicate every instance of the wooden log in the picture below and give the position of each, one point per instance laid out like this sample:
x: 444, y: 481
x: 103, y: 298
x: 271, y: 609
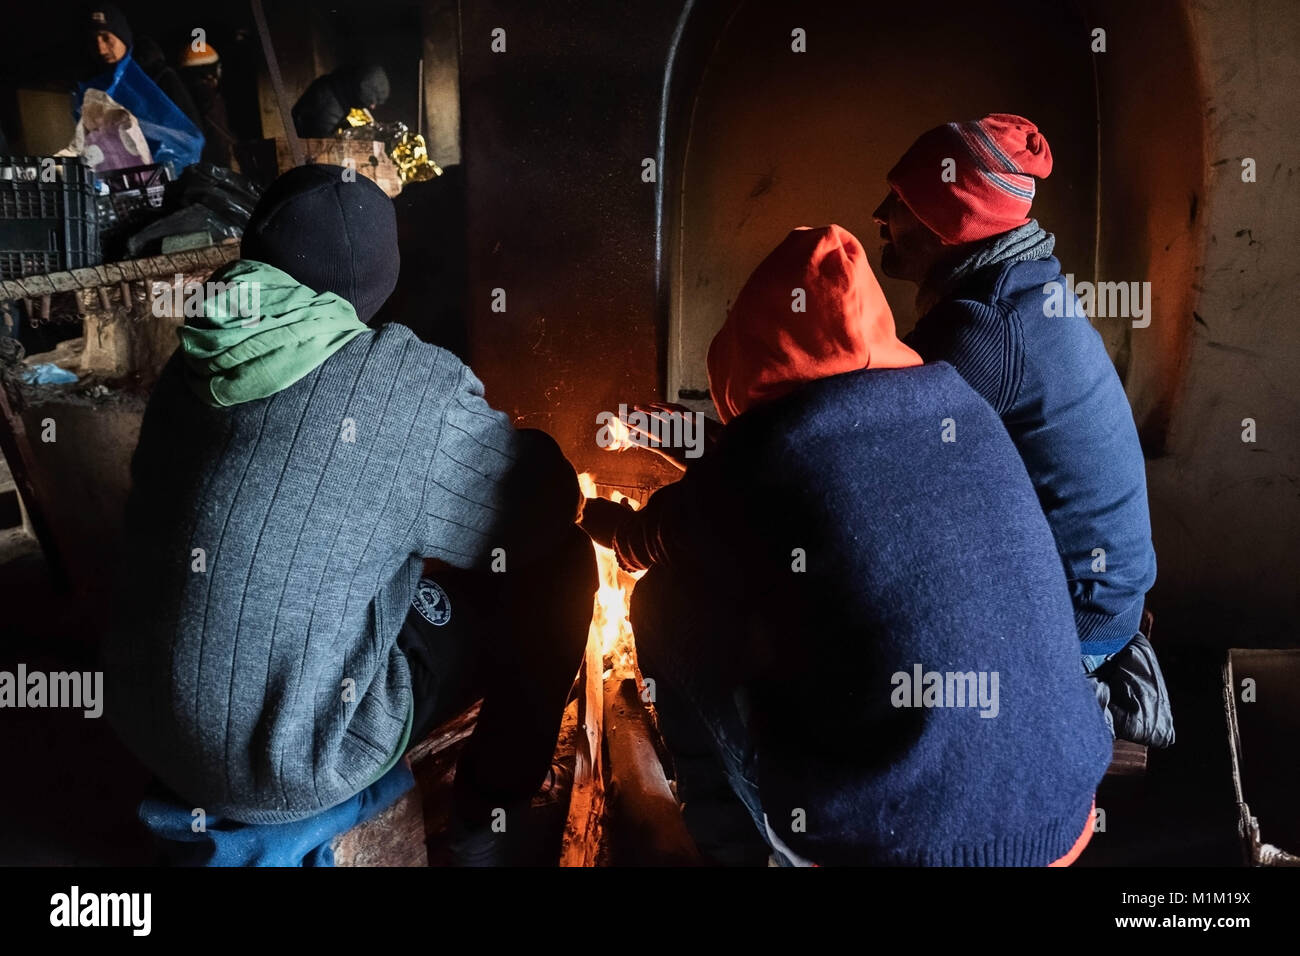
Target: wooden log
x: 65, y: 354
x: 399, y: 836
x: 393, y: 838
x: 444, y: 736
x: 645, y: 819
x: 1127, y: 760
x: 189, y: 262
x: 413, y: 831
x: 581, y: 844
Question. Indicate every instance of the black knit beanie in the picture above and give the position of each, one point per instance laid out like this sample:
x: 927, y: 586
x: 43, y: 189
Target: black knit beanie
x: 331, y: 234
x: 106, y: 16
x: 365, y: 84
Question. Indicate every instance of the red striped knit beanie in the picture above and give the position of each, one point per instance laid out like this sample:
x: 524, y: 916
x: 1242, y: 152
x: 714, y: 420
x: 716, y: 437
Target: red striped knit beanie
x: 994, y: 162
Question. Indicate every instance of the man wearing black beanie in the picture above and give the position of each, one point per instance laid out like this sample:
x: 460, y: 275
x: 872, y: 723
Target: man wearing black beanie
x: 332, y: 231
x: 279, y: 648
x: 110, y: 32
x: 111, y: 40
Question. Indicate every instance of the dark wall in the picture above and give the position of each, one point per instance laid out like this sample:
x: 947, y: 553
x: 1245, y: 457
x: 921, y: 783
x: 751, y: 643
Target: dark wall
x: 554, y: 132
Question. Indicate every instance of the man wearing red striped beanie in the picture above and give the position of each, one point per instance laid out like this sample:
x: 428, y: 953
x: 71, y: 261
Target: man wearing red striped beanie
x: 968, y: 181
x: 956, y: 222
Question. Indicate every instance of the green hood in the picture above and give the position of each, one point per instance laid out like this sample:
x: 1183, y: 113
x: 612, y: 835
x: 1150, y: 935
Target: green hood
x: 235, y: 354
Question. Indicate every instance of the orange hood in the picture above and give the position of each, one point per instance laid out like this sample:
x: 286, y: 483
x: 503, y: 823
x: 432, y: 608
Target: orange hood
x: 767, y: 347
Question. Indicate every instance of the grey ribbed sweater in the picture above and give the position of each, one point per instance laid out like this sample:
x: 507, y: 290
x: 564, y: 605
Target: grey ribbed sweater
x: 260, y: 678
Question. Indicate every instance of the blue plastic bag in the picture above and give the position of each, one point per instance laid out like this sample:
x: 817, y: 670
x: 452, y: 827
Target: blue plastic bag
x: 171, y: 136
x: 48, y: 374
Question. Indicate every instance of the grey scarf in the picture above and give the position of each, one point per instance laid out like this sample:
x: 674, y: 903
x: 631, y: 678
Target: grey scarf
x: 1029, y: 241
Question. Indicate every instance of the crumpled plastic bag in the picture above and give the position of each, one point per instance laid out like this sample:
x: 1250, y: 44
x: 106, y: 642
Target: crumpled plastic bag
x: 171, y: 136
x: 47, y: 373
x: 108, y: 136
x: 195, y: 218
x: 218, y: 202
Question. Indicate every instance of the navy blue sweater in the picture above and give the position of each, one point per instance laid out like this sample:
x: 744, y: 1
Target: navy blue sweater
x: 857, y: 544
x: 1054, y: 386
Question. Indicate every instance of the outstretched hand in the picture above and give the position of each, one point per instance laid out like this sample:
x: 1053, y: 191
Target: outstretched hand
x: 662, y: 415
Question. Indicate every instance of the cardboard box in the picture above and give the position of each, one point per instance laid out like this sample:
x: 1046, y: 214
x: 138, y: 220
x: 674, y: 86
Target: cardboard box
x: 1261, y: 693
x: 369, y: 159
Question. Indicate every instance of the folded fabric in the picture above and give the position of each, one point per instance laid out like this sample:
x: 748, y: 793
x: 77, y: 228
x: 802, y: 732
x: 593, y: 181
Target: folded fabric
x: 225, y: 842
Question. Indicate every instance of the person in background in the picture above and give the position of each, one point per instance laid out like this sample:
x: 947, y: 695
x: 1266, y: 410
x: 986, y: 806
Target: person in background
x: 325, y: 105
x: 956, y: 222
x: 281, y: 641
x: 112, y: 41
x: 109, y: 33
x: 200, y: 70
x: 830, y: 548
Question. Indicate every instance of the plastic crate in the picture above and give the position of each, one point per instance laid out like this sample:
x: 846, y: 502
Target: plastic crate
x: 46, y: 226
x: 129, y: 208
x: 136, y: 177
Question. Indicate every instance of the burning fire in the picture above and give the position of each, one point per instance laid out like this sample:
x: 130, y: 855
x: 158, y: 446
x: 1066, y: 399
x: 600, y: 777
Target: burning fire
x: 610, y: 624
x: 622, y: 439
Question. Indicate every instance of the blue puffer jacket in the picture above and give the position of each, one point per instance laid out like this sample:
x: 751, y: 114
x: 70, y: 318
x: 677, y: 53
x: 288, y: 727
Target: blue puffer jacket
x: 1054, y: 386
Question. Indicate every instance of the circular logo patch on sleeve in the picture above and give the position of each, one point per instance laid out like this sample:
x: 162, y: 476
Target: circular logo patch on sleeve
x: 432, y: 602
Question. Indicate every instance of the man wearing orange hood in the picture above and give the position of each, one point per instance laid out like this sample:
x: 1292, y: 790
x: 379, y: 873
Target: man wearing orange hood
x: 855, y: 597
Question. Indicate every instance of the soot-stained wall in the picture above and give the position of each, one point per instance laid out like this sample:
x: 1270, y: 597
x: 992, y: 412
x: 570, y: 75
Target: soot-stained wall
x: 554, y: 132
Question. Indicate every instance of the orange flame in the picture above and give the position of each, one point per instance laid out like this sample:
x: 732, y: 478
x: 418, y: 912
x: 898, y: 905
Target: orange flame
x: 622, y: 436
x: 609, y: 623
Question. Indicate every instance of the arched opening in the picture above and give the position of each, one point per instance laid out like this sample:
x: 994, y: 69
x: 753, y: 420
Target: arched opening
x: 763, y: 138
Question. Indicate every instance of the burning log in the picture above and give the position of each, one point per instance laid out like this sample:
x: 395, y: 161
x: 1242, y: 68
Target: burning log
x: 609, y: 637
x: 645, y: 818
x: 619, y: 771
x: 609, y: 632
x: 581, y: 844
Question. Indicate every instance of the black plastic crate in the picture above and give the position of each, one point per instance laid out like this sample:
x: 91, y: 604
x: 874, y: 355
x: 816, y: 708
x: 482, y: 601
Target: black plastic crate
x: 130, y: 208
x: 136, y: 177
x: 46, y: 226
